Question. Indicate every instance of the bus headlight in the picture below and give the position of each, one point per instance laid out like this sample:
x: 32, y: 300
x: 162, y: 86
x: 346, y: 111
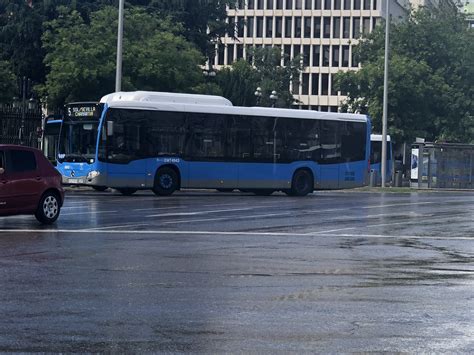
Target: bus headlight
x: 93, y: 174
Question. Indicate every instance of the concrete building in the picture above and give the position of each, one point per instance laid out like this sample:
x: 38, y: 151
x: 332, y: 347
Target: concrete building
x: 323, y: 31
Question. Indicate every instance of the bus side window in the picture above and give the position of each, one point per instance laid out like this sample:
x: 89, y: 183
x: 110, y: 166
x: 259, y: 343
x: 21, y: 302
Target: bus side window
x: 239, y: 147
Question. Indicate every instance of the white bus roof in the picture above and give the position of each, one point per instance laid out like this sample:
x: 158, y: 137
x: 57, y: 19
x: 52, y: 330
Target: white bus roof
x: 213, y: 104
x: 165, y: 97
x: 378, y: 137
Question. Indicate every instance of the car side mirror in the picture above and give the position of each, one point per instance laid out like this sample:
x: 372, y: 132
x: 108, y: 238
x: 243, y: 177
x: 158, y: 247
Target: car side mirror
x: 2, y: 170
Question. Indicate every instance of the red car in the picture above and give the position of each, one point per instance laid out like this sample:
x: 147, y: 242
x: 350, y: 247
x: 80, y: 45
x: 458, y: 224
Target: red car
x: 29, y: 184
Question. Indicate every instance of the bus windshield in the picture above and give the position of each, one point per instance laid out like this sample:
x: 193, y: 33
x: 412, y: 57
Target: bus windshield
x: 78, y: 138
x: 78, y: 141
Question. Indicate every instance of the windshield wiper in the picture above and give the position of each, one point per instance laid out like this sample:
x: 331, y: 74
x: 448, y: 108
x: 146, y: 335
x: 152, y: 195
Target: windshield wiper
x: 74, y: 158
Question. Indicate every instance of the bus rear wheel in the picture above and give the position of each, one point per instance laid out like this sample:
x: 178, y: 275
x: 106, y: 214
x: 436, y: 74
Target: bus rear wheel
x: 127, y: 191
x: 302, y: 183
x: 166, y: 182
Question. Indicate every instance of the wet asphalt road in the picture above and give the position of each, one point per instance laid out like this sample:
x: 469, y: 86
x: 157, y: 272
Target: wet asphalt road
x: 226, y: 272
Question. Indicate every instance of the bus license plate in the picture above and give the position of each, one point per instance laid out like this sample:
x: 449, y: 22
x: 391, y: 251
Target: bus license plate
x: 75, y: 181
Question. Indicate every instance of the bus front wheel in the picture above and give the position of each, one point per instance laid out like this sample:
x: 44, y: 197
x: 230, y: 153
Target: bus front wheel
x: 302, y: 183
x: 166, y: 182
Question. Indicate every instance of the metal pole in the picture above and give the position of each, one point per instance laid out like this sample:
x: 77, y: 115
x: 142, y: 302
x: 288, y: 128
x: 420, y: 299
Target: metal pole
x: 385, y: 96
x: 118, y: 75
x: 23, y: 102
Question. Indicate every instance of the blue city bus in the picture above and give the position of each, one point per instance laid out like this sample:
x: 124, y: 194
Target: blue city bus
x: 376, y: 156
x: 165, y: 142
x: 52, y: 127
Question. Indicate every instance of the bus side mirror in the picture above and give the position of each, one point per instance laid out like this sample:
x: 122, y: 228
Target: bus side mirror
x: 2, y: 171
x: 110, y: 128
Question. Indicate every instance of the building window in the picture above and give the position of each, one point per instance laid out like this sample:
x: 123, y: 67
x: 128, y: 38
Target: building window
x: 259, y: 4
x: 240, y: 51
x: 240, y: 26
x: 230, y: 54
x: 335, y: 56
x: 298, y: 4
x: 317, y: 27
x: 307, y: 27
x: 220, y: 54
x: 279, y: 4
x: 333, y: 86
x: 336, y: 31
x: 375, y: 21
x: 324, y: 84
x: 269, y: 27
x: 269, y: 4
x: 375, y: 5
x: 366, y: 4
x: 337, y: 4
x: 305, y: 84
x: 347, y: 4
x: 327, y: 4
x: 355, y: 60
x: 314, y: 84
x: 326, y: 27
x: 345, y: 56
x: 356, y: 4
x: 278, y: 27
x: 316, y: 54
x: 259, y: 27
x: 366, y: 25
x: 346, y: 27
x: 306, y: 54
x: 325, y: 56
x: 250, y: 4
x: 250, y: 21
x: 297, y: 27
x: 286, y: 54
x: 288, y: 27
x: 308, y: 4
x: 241, y: 4
x: 289, y: 4
x: 296, y: 50
x: 317, y: 4
x: 356, y: 27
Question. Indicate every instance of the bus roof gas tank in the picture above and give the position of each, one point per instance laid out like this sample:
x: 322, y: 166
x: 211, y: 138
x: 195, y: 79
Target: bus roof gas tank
x: 166, y: 97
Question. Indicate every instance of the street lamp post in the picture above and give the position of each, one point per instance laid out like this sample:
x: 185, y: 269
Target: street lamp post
x: 273, y: 98
x: 385, y: 96
x: 118, y: 74
x: 258, y: 94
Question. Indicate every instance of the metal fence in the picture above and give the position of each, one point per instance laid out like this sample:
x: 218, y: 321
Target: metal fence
x: 443, y: 165
x: 11, y: 123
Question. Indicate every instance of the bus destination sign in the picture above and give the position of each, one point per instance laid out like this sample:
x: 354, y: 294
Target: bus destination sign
x: 84, y: 111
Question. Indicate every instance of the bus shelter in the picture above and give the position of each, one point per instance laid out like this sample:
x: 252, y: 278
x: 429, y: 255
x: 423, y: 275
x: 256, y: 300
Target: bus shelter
x: 442, y: 165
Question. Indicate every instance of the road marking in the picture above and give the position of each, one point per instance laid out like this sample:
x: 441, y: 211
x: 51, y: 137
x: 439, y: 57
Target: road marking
x: 198, y: 212
x: 227, y: 218
x: 236, y: 233
x: 118, y: 226
x: 88, y: 212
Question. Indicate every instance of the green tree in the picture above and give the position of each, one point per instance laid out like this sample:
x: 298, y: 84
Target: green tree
x: 7, y: 82
x: 431, y: 77
x: 82, y: 57
x: 240, y: 81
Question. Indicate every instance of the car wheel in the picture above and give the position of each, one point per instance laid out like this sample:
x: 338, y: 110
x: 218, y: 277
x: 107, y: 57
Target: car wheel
x: 166, y: 182
x: 100, y: 188
x: 127, y: 191
x: 302, y: 183
x: 48, y: 208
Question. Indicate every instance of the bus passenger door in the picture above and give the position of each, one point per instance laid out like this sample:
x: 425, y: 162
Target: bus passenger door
x: 210, y: 165
x: 330, y: 155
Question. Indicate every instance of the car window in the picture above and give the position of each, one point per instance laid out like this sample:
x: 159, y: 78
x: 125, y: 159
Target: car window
x: 22, y: 161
